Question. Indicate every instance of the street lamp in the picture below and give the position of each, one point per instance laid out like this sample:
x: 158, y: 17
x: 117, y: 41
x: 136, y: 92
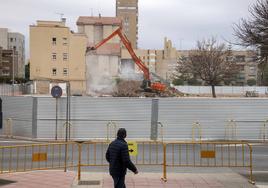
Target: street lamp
x: 13, y: 70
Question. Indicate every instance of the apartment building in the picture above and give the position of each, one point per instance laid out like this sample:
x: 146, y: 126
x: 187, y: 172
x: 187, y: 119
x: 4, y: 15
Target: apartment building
x: 7, y: 65
x: 127, y: 10
x: 57, y: 55
x: 158, y: 61
x: 245, y: 60
x: 248, y: 66
x: 14, y: 41
x: 103, y: 64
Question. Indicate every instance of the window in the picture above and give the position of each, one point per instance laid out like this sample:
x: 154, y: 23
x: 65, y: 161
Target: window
x: 229, y: 58
x: 65, y: 56
x: 240, y: 58
x: 11, y: 39
x: 54, y: 40
x: 252, y: 70
x: 54, y: 56
x: 5, y: 73
x: 64, y: 39
x: 65, y: 71
x: 54, y: 71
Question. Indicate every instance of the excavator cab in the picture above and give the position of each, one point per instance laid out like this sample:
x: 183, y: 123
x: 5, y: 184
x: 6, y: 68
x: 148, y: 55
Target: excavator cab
x: 152, y: 87
x: 146, y: 85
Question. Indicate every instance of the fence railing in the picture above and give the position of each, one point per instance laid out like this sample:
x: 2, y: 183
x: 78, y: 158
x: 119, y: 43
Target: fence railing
x: 92, y: 154
x: 30, y: 157
x: 207, y: 154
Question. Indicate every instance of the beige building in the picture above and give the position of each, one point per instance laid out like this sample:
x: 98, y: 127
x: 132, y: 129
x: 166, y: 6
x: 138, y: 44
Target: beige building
x: 103, y: 64
x: 127, y: 10
x: 159, y: 62
x: 57, y: 55
x: 248, y: 66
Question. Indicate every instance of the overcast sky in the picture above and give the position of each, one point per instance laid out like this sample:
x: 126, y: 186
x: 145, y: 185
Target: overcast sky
x: 182, y: 21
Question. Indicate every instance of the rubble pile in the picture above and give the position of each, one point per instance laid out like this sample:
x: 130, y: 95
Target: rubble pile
x: 132, y: 88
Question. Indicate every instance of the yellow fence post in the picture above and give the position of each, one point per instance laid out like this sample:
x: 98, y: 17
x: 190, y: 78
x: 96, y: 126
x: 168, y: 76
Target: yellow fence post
x: 230, y: 130
x: 108, y: 130
x: 161, y: 131
x: 164, y: 178
x: 109, y: 126
x: 251, y: 180
x: 79, y: 161
x: 263, y: 130
x: 8, y: 127
x: 197, y: 126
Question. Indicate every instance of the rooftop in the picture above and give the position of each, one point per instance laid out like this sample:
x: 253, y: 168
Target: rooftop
x: 91, y: 20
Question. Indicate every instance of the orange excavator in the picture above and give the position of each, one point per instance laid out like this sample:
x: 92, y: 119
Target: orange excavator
x: 147, y: 85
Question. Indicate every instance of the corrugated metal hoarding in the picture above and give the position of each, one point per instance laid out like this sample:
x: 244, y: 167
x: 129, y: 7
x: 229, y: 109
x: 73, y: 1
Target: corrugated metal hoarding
x: 19, y: 109
x: 178, y: 115
x: 89, y: 116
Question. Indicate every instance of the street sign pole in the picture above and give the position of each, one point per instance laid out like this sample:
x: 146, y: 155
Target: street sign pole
x: 56, y: 131
x: 56, y: 92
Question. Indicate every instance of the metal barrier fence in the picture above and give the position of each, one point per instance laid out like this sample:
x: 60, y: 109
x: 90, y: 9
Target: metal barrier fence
x: 29, y: 157
x: 92, y: 154
x: 207, y: 154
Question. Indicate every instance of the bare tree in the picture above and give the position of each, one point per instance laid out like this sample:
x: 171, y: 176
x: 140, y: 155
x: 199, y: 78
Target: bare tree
x: 209, y: 63
x: 254, y: 32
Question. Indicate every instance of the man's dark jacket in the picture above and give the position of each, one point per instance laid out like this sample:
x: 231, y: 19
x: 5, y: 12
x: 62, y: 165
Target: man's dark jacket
x: 118, y: 157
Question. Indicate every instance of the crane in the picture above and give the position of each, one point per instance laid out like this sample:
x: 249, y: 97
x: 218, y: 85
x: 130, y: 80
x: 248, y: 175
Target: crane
x: 147, y: 85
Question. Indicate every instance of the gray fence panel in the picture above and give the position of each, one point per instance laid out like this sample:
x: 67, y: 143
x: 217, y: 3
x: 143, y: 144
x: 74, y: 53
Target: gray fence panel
x: 89, y: 116
x: 241, y: 90
x: 178, y: 115
x: 19, y: 109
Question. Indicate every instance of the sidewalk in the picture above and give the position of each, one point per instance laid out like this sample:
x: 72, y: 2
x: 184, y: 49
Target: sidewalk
x: 181, y: 180
x: 38, y: 179
x: 60, y: 179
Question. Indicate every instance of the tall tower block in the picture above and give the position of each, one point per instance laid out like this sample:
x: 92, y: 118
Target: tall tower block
x: 127, y: 10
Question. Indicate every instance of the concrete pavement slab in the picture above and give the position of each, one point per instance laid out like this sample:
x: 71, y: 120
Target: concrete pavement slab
x: 38, y: 179
x: 175, y: 180
x: 60, y: 179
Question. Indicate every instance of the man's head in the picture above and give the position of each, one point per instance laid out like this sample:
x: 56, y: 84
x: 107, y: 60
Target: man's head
x: 121, y: 133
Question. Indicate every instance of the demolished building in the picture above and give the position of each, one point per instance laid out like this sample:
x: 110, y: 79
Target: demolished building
x: 103, y: 64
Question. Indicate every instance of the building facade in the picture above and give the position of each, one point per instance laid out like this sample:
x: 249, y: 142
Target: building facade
x: 158, y: 61
x: 14, y: 41
x: 127, y: 10
x: 248, y: 66
x: 57, y: 55
x: 4, y: 38
x: 103, y: 64
x: 246, y: 62
x: 7, y: 60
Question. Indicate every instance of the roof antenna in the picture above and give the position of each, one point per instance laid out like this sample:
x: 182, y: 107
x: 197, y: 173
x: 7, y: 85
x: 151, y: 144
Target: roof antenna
x: 91, y: 12
x: 60, y: 14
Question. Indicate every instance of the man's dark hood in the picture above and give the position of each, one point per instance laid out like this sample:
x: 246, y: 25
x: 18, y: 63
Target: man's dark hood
x: 121, y: 133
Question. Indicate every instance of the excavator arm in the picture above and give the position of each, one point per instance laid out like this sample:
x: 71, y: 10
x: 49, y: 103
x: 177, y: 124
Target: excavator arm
x: 147, y: 81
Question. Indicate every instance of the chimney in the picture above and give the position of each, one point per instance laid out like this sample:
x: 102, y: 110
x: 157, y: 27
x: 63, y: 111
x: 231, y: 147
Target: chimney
x: 63, y: 20
x: 99, y: 15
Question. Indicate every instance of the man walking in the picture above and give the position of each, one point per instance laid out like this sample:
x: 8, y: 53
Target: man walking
x: 118, y: 157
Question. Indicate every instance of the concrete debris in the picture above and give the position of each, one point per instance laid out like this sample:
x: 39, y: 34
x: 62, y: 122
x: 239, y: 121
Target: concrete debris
x: 132, y: 88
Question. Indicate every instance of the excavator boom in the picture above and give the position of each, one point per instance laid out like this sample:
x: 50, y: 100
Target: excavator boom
x: 147, y: 81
